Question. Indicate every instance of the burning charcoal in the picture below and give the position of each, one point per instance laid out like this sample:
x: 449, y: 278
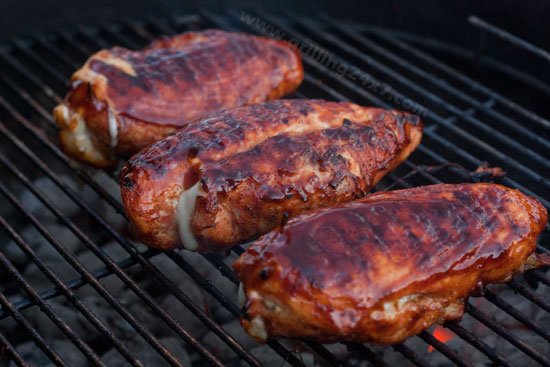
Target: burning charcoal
x: 110, y: 185
x: 390, y: 356
x: 100, y: 308
x: 176, y: 273
x: 100, y: 205
x: 185, y: 317
x: 12, y: 250
x: 220, y: 313
x: 36, y: 241
x: 47, y: 253
x: 113, y: 249
x: 36, y: 357
x: 55, y: 261
x: 91, y: 262
x: 65, y: 237
x: 268, y: 357
x: 339, y: 350
x: 220, y: 281
x: 140, y: 311
x: 48, y: 329
x: 54, y: 194
x: 220, y: 349
x: 147, y: 355
x: 513, y: 354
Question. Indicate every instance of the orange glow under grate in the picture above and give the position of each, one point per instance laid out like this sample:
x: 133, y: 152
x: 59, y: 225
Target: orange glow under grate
x: 441, y: 334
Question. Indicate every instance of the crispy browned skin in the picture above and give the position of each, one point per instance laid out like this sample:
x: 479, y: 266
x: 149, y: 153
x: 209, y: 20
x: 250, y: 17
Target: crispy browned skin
x: 389, y: 265
x: 150, y: 93
x: 256, y: 165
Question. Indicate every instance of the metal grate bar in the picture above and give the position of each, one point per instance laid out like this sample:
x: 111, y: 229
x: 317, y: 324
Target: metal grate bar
x: 529, y: 294
x: 425, y: 150
x: 296, y: 33
x: 515, y: 313
x: 373, y: 45
x: 509, y: 37
x: 9, y: 350
x: 449, y: 146
x: 540, y: 276
x: 80, y: 47
x: 199, y: 313
x: 56, y: 51
x: 45, y: 65
x: 367, y: 353
x: 444, y: 349
x: 324, y: 353
x: 93, y: 36
x: 148, y: 300
x: 411, y: 355
x: 25, y: 71
x: 44, y: 140
x: 115, y: 34
x: 506, y: 334
x: 473, y: 340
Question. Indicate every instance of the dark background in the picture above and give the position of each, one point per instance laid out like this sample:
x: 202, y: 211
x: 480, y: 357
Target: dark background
x: 529, y: 19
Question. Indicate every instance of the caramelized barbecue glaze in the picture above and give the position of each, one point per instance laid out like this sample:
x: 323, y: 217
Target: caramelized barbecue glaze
x: 241, y: 172
x: 121, y: 100
x: 389, y: 265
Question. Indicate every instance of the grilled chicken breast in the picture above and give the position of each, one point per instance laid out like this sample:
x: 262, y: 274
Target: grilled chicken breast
x: 121, y: 100
x: 389, y: 265
x: 237, y: 174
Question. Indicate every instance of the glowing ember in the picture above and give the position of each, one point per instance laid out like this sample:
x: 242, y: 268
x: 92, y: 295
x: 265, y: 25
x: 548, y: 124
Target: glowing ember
x: 441, y: 334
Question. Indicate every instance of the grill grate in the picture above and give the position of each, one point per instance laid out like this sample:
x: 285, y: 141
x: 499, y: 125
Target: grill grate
x: 33, y: 75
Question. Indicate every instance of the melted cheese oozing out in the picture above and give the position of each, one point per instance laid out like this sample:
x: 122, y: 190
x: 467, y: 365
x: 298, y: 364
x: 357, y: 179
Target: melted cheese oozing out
x: 80, y: 136
x: 113, y: 128
x: 184, y: 213
x: 61, y: 113
x: 257, y: 328
x: 241, y: 296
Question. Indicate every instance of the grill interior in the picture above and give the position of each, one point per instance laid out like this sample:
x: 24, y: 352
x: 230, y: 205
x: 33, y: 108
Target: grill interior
x: 75, y: 284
